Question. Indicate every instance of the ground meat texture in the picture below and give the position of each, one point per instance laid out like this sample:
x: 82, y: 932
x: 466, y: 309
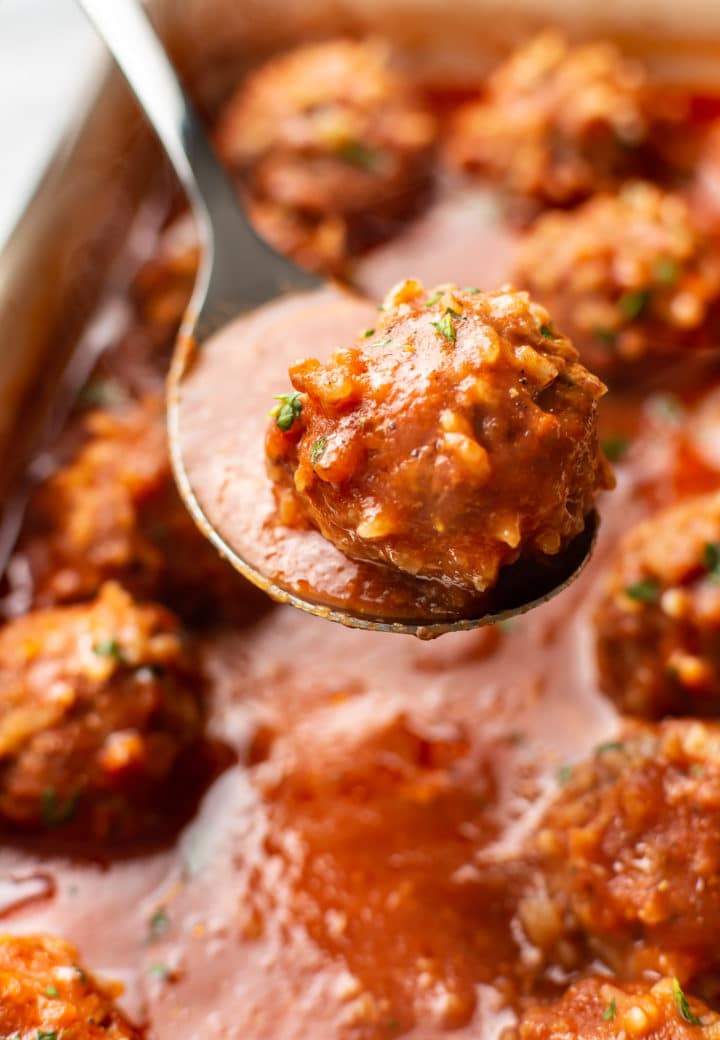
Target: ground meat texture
x: 628, y: 854
x: 97, y: 704
x: 628, y: 276
x: 658, y: 623
x: 454, y: 438
x: 114, y: 513
x: 602, y: 1008
x: 556, y: 123
x: 46, y: 995
x: 332, y: 146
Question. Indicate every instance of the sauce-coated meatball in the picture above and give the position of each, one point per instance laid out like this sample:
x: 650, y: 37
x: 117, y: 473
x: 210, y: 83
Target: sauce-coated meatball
x: 557, y: 122
x: 602, y: 1008
x: 454, y: 438
x: 97, y: 703
x: 114, y: 513
x: 658, y: 623
x: 46, y: 995
x: 331, y: 145
x: 629, y: 277
x: 628, y: 854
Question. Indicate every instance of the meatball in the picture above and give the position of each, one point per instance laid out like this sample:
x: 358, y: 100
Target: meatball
x: 628, y: 854
x: 454, y: 438
x: 97, y: 704
x: 332, y: 147
x: 557, y: 122
x: 46, y: 995
x: 628, y: 276
x: 113, y: 513
x: 658, y: 623
x: 602, y: 1008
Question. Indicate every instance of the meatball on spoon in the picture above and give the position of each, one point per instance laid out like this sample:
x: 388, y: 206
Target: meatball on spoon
x: 231, y: 362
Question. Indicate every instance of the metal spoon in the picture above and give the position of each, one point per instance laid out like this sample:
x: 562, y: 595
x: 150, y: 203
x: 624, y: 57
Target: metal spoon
x: 239, y: 271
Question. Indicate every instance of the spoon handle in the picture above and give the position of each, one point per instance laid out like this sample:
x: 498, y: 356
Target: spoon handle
x: 238, y: 270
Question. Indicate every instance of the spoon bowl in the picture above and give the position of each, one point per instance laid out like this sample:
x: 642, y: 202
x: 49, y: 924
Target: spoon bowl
x: 233, y: 348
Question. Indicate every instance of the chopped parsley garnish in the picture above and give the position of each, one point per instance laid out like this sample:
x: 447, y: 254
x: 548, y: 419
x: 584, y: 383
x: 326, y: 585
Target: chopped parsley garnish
x: 607, y: 746
x: 109, y: 648
x: 564, y: 774
x: 102, y: 393
x: 434, y: 298
x: 472, y: 290
x: 47, y: 1034
x: 606, y: 336
x: 683, y: 1007
x: 547, y: 332
x: 358, y: 154
x: 711, y: 559
x: 287, y: 410
x: 81, y: 974
x: 317, y: 450
x: 159, y: 923
x: 633, y: 304
x: 56, y: 812
x: 382, y: 343
x: 666, y: 270
x: 445, y: 326
x: 160, y: 971
x: 610, y: 1011
x: 615, y: 447
x: 368, y: 333
x: 645, y: 591
x: 51, y: 991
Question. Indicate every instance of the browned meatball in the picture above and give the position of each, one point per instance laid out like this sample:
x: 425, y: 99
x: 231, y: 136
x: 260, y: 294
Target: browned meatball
x: 628, y: 854
x: 602, y: 1008
x: 658, y: 623
x: 114, y: 513
x: 332, y: 146
x: 46, y: 995
x: 628, y: 276
x: 97, y: 703
x: 557, y: 122
x: 454, y: 438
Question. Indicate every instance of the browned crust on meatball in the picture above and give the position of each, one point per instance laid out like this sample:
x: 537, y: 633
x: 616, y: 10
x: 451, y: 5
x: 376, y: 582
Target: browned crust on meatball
x: 97, y: 704
x: 604, y: 1008
x: 333, y: 147
x: 454, y: 438
x: 44, y: 992
x: 658, y: 623
x: 628, y: 854
x: 629, y: 276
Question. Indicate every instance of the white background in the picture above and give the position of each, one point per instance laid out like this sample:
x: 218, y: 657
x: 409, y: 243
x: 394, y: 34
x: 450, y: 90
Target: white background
x: 48, y: 57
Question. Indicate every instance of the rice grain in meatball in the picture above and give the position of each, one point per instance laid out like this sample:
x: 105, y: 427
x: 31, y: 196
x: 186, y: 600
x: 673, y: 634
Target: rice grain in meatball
x: 452, y: 439
x: 45, y: 994
x: 333, y: 147
x: 629, y: 276
x: 658, y: 623
x: 97, y: 704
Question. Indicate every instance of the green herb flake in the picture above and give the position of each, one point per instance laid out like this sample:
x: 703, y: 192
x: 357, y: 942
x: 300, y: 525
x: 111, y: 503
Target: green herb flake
x: 159, y: 923
x: 645, y: 591
x: 564, y: 774
x: 56, y: 812
x: 683, y: 1007
x: 608, y: 746
x: 81, y: 973
x: 317, y: 450
x: 382, y: 343
x: 393, y: 1024
x: 615, y: 447
x: 435, y: 298
x: 632, y: 305
x: 368, y: 333
x: 109, y: 648
x: 445, y: 327
x: 358, y: 154
x: 160, y: 971
x: 605, y: 335
x: 547, y: 332
x: 666, y: 271
x: 472, y: 290
x: 47, y: 1034
x: 287, y: 410
x: 711, y: 560
x: 697, y: 769
x: 610, y: 1011
x: 51, y: 991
